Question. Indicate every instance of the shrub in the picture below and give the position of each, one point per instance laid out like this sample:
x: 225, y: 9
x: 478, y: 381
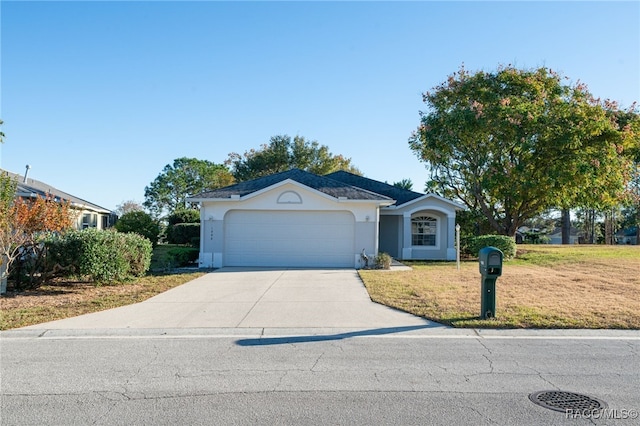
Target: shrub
x: 184, y: 233
x: 101, y: 256
x: 506, y: 244
x: 184, y: 216
x: 383, y: 261
x: 183, y: 256
x: 140, y: 223
x: 138, y: 253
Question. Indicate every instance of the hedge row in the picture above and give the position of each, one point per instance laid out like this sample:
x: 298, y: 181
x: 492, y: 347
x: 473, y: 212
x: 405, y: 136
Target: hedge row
x: 184, y: 256
x: 101, y: 256
x: 184, y: 216
x: 184, y: 233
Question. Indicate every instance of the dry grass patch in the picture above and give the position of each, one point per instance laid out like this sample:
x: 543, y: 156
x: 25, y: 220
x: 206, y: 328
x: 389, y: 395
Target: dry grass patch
x: 546, y: 287
x: 68, y: 299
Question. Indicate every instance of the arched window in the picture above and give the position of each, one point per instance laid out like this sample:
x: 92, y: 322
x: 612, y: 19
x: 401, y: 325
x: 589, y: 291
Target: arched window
x: 423, y: 231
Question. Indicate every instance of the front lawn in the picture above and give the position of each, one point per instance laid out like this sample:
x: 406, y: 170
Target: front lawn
x: 544, y: 287
x: 66, y: 299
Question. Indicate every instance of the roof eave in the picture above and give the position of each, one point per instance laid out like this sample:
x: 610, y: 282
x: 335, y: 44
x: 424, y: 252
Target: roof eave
x: 455, y: 205
x: 285, y: 182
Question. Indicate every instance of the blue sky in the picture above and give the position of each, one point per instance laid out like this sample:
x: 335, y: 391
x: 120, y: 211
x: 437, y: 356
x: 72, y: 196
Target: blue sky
x: 99, y: 96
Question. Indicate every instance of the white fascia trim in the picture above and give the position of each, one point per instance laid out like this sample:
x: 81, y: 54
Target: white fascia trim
x: 283, y: 183
x: 391, y: 211
x: 456, y: 206
x: 91, y: 209
x: 206, y: 200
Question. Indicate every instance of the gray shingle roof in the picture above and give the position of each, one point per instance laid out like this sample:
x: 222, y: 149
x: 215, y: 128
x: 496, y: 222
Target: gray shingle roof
x: 324, y: 184
x: 32, y: 188
x: 400, y: 195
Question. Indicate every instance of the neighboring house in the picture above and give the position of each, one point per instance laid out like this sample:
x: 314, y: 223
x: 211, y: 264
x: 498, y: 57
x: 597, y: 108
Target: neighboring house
x: 627, y: 236
x: 298, y: 219
x: 89, y: 215
x: 528, y: 235
x: 556, y: 236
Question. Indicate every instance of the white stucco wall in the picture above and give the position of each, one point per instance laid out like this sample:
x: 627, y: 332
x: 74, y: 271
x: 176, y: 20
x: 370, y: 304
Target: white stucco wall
x: 287, y: 196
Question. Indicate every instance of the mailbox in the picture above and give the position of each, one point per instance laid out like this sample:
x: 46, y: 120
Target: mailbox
x: 490, y: 262
x: 490, y: 259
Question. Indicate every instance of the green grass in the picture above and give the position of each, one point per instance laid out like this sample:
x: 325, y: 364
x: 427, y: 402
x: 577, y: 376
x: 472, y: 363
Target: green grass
x: 549, y: 255
x: 161, y: 259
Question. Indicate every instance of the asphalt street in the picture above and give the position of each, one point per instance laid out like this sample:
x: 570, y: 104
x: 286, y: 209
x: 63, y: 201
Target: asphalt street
x: 298, y: 377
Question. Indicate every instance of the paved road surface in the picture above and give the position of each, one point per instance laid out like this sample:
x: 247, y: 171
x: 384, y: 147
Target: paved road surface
x: 367, y: 377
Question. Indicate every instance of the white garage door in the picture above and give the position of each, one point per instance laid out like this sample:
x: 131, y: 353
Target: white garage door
x: 296, y: 239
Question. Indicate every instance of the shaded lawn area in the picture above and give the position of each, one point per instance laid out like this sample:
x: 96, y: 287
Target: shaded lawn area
x: 544, y: 287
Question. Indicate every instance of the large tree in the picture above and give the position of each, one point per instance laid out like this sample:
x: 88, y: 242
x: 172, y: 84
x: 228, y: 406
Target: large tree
x: 514, y: 143
x: 185, y: 177
x: 283, y: 153
x: 127, y: 207
x: 631, y: 122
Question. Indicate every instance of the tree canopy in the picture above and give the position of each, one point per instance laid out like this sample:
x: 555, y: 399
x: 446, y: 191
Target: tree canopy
x: 514, y: 143
x: 141, y: 223
x: 185, y: 177
x: 128, y: 206
x: 404, y: 184
x: 283, y: 153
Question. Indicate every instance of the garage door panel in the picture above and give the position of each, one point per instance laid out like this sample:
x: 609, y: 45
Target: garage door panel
x: 275, y: 238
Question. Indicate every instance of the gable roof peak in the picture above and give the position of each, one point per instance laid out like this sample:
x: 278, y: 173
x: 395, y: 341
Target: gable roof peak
x: 323, y: 184
x: 401, y: 195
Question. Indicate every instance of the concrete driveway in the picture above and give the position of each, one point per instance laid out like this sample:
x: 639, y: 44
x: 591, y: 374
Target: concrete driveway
x: 254, y: 298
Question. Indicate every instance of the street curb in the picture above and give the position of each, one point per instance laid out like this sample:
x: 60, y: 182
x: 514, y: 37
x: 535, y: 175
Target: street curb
x: 334, y: 333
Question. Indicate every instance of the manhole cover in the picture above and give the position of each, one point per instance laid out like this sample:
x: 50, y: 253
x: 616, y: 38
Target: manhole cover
x: 567, y: 402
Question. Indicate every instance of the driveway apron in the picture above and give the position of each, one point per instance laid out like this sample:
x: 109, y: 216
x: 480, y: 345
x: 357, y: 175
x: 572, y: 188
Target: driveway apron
x: 253, y: 298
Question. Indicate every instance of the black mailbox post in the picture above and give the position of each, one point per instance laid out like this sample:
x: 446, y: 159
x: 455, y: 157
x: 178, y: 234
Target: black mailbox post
x: 490, y: 259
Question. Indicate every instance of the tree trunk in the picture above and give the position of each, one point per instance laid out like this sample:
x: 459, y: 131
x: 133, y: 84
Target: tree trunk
x: 4, y: 260
x: 608, y: 227
x: 592, y: 225
x: 566, y: 226
x: 638, y: 228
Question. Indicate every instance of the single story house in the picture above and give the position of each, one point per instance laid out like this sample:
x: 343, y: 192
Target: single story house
x: 555, y: 237
x: 299, y: 219
x: 627, y: 236
x: 89, y: 215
